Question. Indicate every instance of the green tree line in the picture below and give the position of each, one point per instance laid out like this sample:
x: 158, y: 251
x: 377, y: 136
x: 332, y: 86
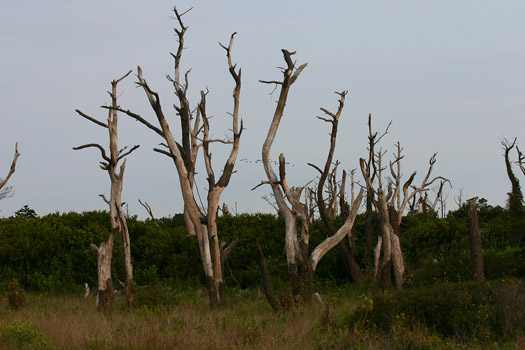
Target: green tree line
x: 52, y: 254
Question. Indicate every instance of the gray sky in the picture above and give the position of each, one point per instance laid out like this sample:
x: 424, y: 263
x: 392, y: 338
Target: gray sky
x: 449, y: 74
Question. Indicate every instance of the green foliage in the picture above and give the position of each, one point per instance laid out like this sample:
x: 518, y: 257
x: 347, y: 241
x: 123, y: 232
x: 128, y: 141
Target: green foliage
x: 481, y: 310
x: 26, y: 212
x: 51, y: 254
x: 19, y: 335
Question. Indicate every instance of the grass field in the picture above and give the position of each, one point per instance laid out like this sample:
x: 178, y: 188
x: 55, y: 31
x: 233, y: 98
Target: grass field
x: 167, y: 319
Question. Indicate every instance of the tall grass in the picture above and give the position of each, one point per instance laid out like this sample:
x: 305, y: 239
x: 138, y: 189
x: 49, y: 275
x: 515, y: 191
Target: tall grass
x: 185, y: 322
x: 181, y: 319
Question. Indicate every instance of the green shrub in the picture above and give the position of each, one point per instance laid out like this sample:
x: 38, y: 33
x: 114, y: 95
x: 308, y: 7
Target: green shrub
x: 481, y: 310
x: 23, y: 336
x: 155, y: 295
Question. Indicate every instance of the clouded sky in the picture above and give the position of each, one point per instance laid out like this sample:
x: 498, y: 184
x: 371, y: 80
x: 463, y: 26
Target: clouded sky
x: 449, y: 74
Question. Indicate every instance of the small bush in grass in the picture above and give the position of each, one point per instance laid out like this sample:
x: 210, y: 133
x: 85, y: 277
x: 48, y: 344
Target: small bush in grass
x: 16, y: 296
x: 23, y: 336
x: 155, y: 295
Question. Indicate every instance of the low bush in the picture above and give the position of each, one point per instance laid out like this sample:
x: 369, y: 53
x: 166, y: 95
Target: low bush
x: 475, y: 310
x: 19, y: 335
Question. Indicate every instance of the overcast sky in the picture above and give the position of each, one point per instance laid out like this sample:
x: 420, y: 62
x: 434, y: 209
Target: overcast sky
x: 449, y: 74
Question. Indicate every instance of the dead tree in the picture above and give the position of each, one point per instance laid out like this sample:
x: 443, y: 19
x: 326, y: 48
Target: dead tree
x: 476, y: 252
x: 200, y: 224
x: 116, y: 174
x: 6, y: 191
x: 150, y: 212
x: 521, y: 160
x: 328, y: 207
x: 301, y: 264
x: 515, y: 199
x: 106, y: 293
x: 390, y: 198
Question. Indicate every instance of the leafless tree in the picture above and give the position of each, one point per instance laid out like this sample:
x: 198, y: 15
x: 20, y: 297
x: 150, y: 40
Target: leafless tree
x: 6, y: 191
x: 301, y: 264
x: 390, y: 197
x: 515, y: 199
x: 328, y: 207
x: 199, y: 223
x: 116, y: 174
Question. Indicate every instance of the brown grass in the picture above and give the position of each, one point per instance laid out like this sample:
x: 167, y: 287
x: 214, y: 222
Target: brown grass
x: 248, y: 322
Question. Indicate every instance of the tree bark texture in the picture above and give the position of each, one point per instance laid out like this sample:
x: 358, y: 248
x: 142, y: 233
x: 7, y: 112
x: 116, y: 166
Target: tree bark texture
x: 476, y: 252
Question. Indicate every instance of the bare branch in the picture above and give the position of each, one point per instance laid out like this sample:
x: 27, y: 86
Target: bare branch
x: 137, y: 118
x: 13, y: 167
x: 96, y: 145
x: 104, y: 198
x: 128, y: 153
x: 91, y: 118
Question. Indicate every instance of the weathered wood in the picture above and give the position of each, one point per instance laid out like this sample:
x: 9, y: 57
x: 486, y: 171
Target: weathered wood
x: 105, y: 283
x: 476, y: 252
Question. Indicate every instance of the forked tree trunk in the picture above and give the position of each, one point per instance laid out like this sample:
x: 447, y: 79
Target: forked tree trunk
x: 476, y: 252
x: 105, y: 283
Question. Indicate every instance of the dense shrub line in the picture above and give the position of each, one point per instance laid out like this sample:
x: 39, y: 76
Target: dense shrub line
x: 52, y: 254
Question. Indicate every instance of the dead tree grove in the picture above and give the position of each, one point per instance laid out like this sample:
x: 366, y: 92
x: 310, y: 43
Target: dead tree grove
x: 201, y: 224
x: 301, y: 263
x: 116, y: 213
x: 390, y: 197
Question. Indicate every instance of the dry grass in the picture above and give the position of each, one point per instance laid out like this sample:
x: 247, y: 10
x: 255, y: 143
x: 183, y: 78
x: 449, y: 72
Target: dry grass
x: 247, y: 322
x: 71, y: 322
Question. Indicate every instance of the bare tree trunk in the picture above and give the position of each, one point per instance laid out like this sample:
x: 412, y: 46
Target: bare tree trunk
x: 476, y: 252
x: 266, y: 279
x: 515, y: 199
x: 105, y: 283
x: 397, y: 253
